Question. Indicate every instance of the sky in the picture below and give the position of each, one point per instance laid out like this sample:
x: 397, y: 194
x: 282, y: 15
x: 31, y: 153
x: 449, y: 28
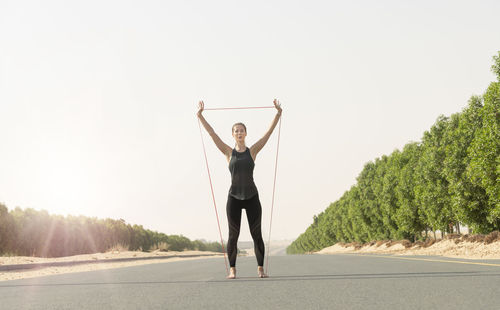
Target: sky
x: 98, y: 100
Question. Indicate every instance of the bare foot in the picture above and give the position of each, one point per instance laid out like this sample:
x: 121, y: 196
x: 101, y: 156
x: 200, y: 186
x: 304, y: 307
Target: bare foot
x: 260, y: 272
x: 232, y: 273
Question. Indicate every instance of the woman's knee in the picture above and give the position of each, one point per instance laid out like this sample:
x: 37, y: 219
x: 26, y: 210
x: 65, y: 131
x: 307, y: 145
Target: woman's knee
x: 233, y: 236
x: 257, y: 236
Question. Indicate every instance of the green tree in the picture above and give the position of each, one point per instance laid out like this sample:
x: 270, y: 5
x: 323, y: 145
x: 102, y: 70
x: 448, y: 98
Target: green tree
x: 431, y: 190
x: 409, y: 217
x: 8, y: 230
x: 468, y: 200
x: 484, y: 169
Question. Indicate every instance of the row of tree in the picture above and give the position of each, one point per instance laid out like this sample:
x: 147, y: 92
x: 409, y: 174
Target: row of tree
x: 451, y: 177
x: 30, y: 232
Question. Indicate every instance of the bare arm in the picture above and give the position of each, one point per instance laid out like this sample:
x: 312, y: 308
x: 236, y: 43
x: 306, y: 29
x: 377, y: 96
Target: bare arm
x: 224, y: 148
x: 260, y: 144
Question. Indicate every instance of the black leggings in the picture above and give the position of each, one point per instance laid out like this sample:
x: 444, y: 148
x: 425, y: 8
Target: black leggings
x: 254, y: 216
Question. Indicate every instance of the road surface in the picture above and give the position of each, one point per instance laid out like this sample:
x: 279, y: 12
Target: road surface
x: 342, y: 281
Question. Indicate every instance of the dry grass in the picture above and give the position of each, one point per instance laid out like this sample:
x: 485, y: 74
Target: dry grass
x: 428, y: 242
x: 452, y: 236
x: 480, y: 246
x: 406, y: 243
x: 486, y: 239
x: 453, y: 245
x: 162, y: 246
x: 430, y: 245
x: 118, y: 248
x: 391, y: 243
x: 473, y: 238
x: 418, y: 244
x: 492, y: 237
x: 478, y: 238
x: 356, y: 245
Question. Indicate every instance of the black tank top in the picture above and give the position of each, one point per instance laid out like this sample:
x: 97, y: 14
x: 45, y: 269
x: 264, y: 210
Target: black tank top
x: 241, y: 167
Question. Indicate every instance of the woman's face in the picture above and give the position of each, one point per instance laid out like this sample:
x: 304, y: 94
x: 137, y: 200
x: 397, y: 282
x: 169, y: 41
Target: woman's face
x: 239, y: 133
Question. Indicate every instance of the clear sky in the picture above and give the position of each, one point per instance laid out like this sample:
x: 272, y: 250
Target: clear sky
x: 98, y: 99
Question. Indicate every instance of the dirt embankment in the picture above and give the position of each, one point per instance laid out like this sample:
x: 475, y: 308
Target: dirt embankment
x: 459, y: 246
x: 89, y: 262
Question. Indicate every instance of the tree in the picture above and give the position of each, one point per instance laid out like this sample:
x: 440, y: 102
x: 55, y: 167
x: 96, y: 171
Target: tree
x: 431, y: 190
x: 8, y: 230
x: 484, y: 152
x: 409, y: 217
x: 468, y: 200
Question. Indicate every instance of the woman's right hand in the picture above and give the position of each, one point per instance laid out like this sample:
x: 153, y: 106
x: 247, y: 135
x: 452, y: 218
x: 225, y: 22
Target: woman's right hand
x: 201, y: 106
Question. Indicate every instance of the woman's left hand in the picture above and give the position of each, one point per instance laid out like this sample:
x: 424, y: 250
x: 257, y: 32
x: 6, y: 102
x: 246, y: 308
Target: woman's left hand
x: 277, y: 105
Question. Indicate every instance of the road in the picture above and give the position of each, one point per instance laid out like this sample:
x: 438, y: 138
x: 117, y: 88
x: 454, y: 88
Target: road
x: 343, y: 281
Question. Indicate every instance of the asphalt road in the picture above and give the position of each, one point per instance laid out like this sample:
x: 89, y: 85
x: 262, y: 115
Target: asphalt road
x: 297, y: 282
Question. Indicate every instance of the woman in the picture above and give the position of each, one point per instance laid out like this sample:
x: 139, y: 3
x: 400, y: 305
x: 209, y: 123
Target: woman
x: 243, y: 193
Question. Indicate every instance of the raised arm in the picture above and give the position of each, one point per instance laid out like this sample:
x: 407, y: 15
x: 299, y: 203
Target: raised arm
x: 224, y: 148
x: 260, y: 144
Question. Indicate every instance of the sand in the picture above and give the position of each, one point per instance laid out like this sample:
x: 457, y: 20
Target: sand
x: 445, y: 248
x: 101, y: 257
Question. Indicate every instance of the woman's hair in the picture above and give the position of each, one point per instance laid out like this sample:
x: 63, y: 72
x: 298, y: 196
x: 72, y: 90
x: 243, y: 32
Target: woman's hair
x: 232, y: 129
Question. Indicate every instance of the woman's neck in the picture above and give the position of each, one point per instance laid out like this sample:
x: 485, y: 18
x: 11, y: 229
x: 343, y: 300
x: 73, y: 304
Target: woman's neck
x: 240, y: 147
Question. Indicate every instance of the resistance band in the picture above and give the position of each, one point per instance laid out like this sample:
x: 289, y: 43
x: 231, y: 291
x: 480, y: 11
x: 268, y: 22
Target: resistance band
x: 213, y: 197
x: 274, y: 184
x: 239, y: 108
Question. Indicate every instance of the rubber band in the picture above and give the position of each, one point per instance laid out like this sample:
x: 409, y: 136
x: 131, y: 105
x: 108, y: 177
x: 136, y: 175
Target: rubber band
x: 272, y: 201
x: 239, y: 108
x: 213, y: 197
